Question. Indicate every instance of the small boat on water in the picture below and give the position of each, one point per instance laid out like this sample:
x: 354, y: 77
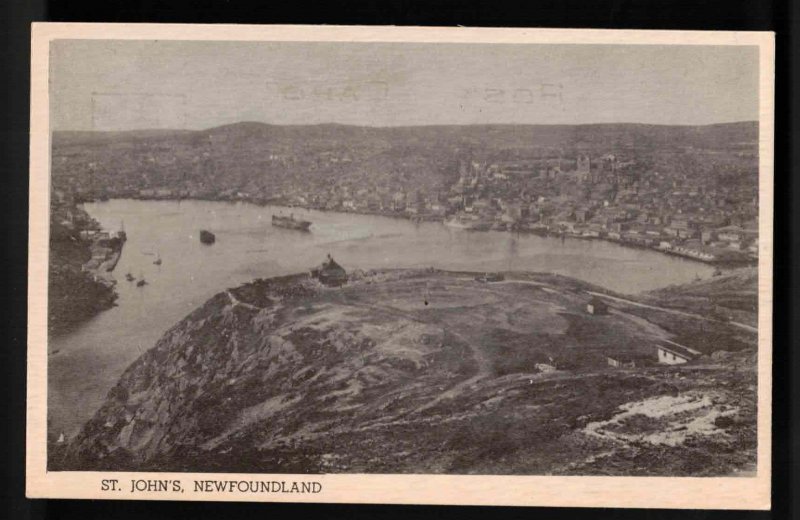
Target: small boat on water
x: 456, y: 223
x: 142, y: 282
x: 499, y: 226
x: 539, y: 230
x: 129, y: 277
x: 207, y: 237
x: 468, y: 223
x: 157, y: 261
x: 290, y: 222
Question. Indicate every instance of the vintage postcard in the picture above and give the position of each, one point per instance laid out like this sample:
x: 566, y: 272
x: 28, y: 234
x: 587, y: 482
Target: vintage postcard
x: 401, y: 265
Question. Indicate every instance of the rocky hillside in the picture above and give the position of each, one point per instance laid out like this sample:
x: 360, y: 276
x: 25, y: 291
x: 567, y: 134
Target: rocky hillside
x: 421, y: 371
x: 731, y: 296
x: 74, y: 295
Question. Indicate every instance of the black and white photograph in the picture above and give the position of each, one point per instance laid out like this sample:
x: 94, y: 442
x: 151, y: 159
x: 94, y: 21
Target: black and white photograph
x: 404, y: 258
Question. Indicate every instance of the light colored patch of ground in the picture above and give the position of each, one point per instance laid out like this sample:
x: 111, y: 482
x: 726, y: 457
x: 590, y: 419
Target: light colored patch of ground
x: 326, y: 317
x: 353, y: 388
x: 667, y: 405
x: 407, y: 340
x: 679, y: 417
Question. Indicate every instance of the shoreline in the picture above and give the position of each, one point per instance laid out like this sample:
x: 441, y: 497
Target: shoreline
x: 80, y: 286
x: 544, y: 231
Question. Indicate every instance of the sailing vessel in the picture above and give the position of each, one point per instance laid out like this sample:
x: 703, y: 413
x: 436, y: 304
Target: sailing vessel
x: 157, y: 261
x: 290, y: 222
x: 142, y: 282
x: 129, y: 277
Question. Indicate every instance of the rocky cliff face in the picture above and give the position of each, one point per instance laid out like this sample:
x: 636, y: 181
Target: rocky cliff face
x: 408, y: 371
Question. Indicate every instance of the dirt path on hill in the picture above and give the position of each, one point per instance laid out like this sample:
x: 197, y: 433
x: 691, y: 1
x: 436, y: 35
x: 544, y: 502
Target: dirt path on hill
x: 673, y: 311
x: 527, y: 282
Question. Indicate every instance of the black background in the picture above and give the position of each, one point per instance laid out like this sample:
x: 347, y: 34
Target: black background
x: 781, y: 16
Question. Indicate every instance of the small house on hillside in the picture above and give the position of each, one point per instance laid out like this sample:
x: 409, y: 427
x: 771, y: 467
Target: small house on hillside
x: 671, y: 353
x: 596, y: 306
x: 330, y: 273
x: 621, y: 361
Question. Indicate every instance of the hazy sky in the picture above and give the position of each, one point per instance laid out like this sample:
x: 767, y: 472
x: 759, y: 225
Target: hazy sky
x: 123, y: 85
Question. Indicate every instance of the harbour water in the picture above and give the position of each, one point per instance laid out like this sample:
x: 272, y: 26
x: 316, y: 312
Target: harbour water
x: 86, y: 362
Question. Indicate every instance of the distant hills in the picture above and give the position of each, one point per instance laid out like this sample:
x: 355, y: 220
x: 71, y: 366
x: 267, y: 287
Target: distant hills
x: 606, y: 134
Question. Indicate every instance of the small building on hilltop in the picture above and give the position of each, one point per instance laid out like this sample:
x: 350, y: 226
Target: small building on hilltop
x: 596, y: 306
x: 671, y: 353
x: 330, y: 273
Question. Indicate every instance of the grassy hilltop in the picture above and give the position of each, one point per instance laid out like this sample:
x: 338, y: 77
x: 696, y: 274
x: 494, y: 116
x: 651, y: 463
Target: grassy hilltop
x: 410, y: 371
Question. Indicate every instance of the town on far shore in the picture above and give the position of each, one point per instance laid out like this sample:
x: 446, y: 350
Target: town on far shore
x: 697, y: 202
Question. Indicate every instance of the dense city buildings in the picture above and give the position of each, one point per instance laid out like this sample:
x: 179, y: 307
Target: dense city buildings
x: 689, y: 191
